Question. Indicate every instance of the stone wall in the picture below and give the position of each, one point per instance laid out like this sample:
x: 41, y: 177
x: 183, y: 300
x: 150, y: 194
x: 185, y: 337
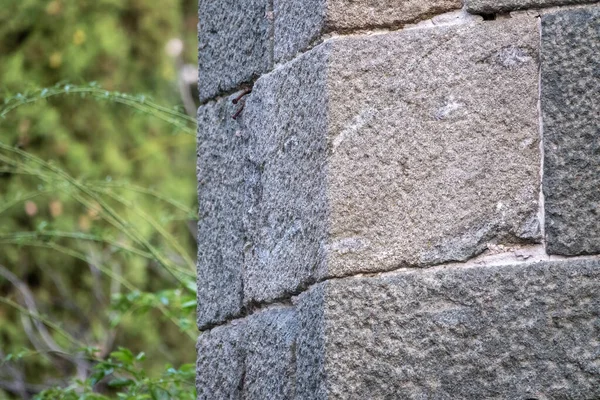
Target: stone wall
x: 407, y: 204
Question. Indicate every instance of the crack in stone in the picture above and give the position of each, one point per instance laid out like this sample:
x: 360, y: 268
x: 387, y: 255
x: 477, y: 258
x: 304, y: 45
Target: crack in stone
x: 520, y: 255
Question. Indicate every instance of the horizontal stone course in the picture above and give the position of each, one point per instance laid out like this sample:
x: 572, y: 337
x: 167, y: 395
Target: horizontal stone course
x: 519, y: 331
x: 505, y: 332
x: 239, y: 40
x: 570, y: 100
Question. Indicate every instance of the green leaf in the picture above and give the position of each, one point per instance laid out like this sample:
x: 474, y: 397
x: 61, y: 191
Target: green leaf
x: 189, y: 304
x: 120, y: 382
x: 124, y: 355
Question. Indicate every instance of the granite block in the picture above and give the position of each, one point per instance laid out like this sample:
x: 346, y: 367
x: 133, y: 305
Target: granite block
x: 570, y: 100
x: 525, y: 331
x: 235, y: 44
x: 222, y: 152
x: 299, y: 23
x: 503, y: 6
x: 402, y: 149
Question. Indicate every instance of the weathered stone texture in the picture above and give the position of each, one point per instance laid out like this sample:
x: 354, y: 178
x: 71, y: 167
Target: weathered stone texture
x: 254, y: 358
x: 411, y: 148
x: 235, y: 43
x: 495, y: 6
x: 286, y: 121
x: 220, y: 364
x: 571, y: 125
x: 221, y: 198
x: 503, y: 332
x: 349, y: 14
x: 434, y: 145
x: 507, y: 332
x: 311, y: 377
x: 298, y: 23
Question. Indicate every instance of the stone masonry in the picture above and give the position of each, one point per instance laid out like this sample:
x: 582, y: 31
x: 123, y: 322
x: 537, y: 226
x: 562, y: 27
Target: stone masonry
x: 407, y: 203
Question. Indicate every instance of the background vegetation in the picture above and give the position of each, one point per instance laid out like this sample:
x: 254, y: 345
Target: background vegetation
x: 97, y: 198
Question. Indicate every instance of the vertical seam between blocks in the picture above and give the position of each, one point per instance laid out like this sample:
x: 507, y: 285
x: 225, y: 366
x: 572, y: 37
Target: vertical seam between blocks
x: 271, y: 10
x: 541, y: 199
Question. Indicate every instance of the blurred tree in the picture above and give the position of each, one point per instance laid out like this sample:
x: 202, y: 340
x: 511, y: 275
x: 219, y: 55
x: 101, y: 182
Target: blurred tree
x: 122, y: 45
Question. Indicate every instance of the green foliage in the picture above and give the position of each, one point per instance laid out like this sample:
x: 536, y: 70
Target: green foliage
x: 122, y: 372
x: 140, y: 103
x: 97, y: 199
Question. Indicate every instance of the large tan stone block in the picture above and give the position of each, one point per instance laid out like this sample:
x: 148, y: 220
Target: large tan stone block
x: 403, y: 149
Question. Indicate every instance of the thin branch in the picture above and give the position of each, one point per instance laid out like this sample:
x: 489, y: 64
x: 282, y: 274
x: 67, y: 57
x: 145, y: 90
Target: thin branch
x: 31, y: 306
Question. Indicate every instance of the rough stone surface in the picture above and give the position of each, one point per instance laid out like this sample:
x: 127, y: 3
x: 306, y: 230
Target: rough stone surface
x: 410, y: 148
x: 220, y: 363
x: 270, y: 347
x: 522, y: 331
x: 221, y: 198
x: 495, y: 6
x: 311, y: 376
x: 527, y: 331
x: 298, y: 23
x: 235, y: 43
x: 434, y: 145
x: 350, y: 14
x: 286, y: 121
x: 571, y: 126
x: 254, y: 358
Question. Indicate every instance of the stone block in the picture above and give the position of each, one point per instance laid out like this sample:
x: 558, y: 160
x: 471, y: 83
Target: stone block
x: 570, y: 100
x: 299, y: 23
x: 270, y: 348
x: 525, y: 331
x: 311, y: 378
x: 220, y: 364
x: 235, y: 44
x: 254, y: 358
x: 518, y: 331
x: 286, y: 123
x: 403, y: 149
x: 500, y: 6
x: 221, y: 197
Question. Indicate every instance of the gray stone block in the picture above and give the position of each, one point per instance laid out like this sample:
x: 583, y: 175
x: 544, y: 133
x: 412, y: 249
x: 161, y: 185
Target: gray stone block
x: 527, y: 331
x: 496, y: 6
x: 299, y: 23
x: 270, y: 347
x: 403, y: 149
x: 311, y: 377
x: 235, y: 44
x: 519, y: 331
x: 286, y: 121
x: 221, y: 197
x: 221, y: 363
x: 254, y: 358
x: 571, y: 125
